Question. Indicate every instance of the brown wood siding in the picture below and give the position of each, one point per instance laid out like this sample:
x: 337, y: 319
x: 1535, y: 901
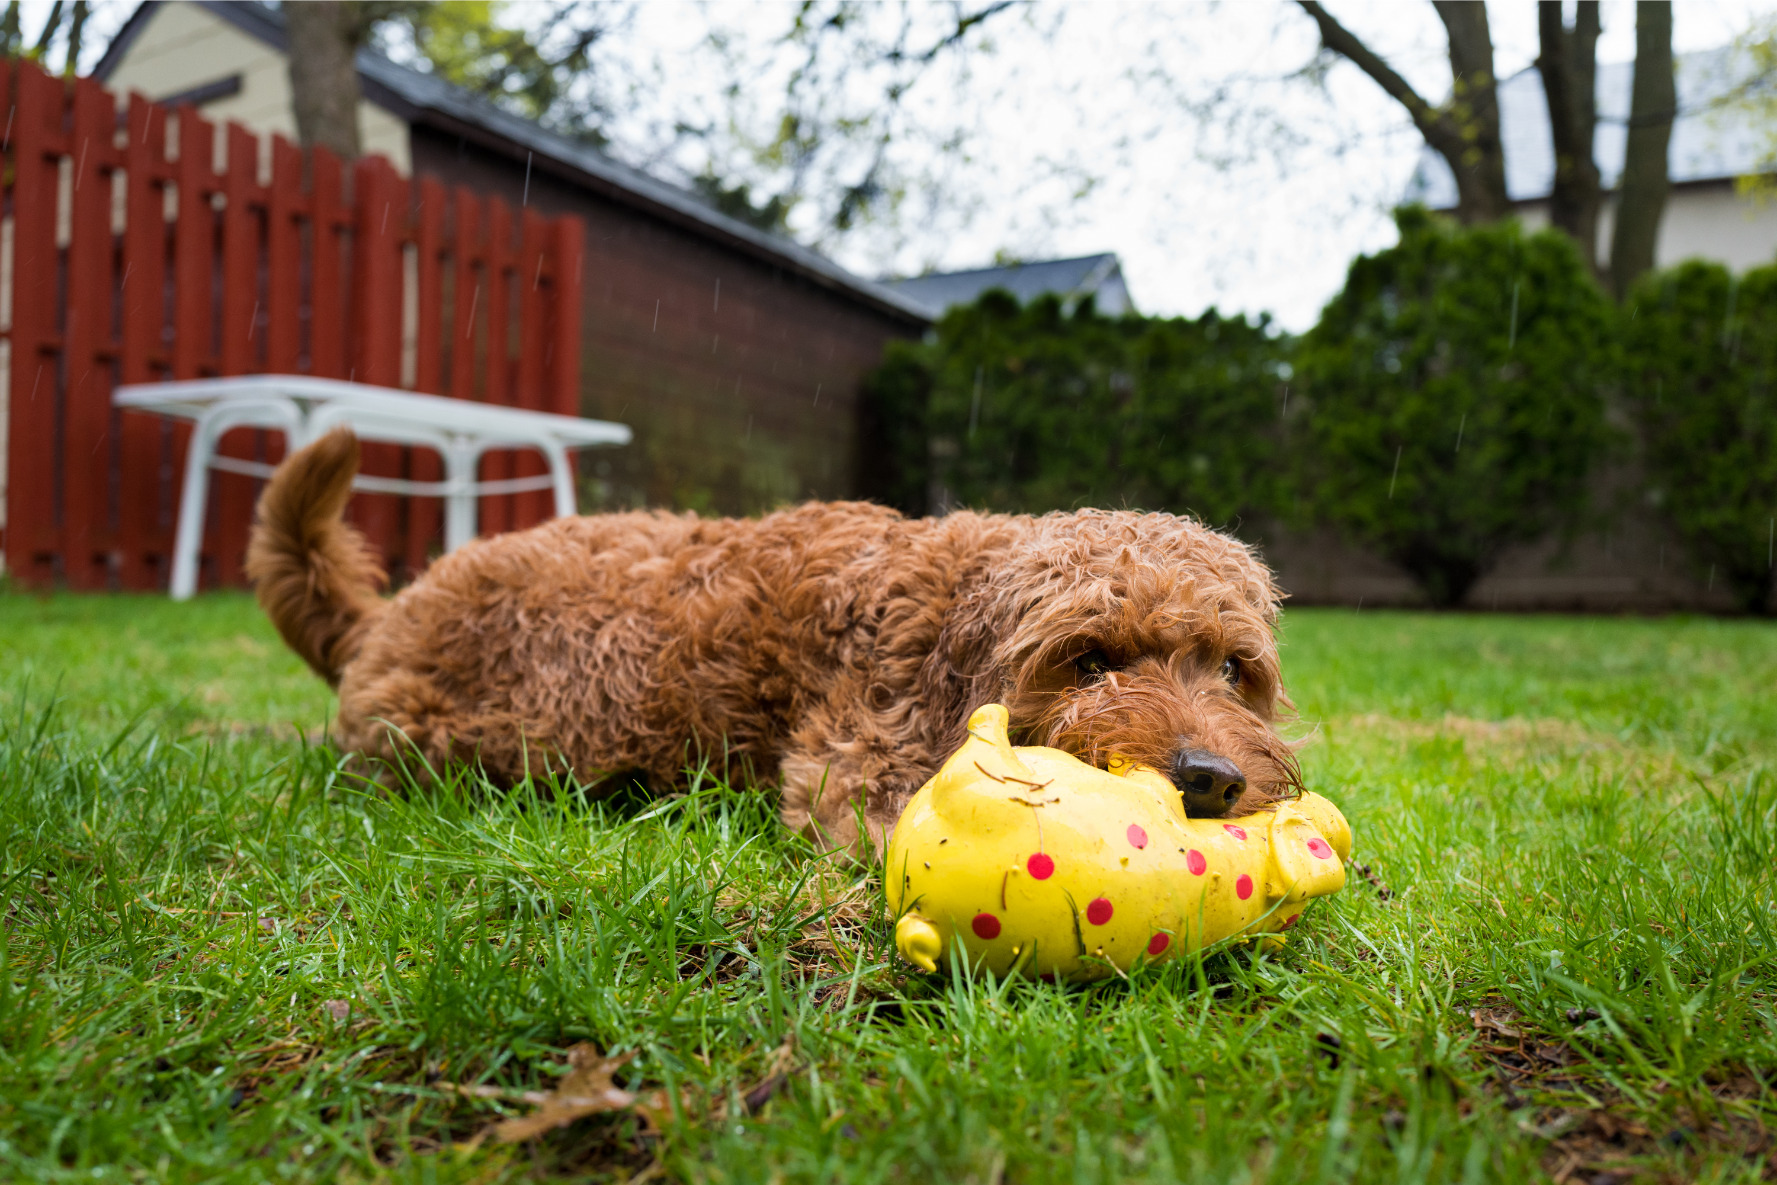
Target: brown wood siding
x: 741, y: 399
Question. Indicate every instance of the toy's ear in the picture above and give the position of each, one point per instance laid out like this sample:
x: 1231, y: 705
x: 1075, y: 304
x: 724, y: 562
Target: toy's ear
x: 1303, y: 864
x: 1141, y: 775
x: 1327, y: 820
x: 988, y: 729
x: 992, y: 723
x: 1146, y: 775
x: 985, y: 761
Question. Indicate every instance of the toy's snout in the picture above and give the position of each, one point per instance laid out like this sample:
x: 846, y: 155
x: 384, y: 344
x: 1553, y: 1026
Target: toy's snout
x: 1210, y: 784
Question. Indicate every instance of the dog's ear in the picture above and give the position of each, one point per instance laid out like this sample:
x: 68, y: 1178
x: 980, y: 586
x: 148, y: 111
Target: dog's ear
x: 963, y: 671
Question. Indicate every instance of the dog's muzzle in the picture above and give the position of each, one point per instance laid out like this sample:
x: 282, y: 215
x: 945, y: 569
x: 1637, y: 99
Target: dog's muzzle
x: 1210, y: 784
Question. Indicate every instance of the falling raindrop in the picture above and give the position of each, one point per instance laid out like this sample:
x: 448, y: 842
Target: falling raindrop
x: 1460, y: 425
x: 656, y: 328
x: 716, y: 304
x: 525, y: 200
x: 1397, y: 471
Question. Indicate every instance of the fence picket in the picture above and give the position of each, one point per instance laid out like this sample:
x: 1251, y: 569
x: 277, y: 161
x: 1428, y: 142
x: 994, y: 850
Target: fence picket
x: 145, y: 513
x: 87, y: 460
x: 425, y: 516
x: 33, y: 523
x: 376, y: 358
x: 237, y: 352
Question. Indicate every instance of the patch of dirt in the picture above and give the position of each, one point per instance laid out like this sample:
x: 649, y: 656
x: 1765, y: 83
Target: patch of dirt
x: 1602, y: 1138
x: 1515, y: 732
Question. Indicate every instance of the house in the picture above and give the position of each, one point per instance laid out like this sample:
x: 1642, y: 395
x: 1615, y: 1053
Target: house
x: 1712, y: 144
x: 736, y: 355
x: 1097, y: 276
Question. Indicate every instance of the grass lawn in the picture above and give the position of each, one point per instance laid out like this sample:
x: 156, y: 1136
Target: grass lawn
x: 225, y: 959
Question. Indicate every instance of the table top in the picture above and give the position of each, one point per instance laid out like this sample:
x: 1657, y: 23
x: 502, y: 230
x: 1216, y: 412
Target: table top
x: 191, y: 399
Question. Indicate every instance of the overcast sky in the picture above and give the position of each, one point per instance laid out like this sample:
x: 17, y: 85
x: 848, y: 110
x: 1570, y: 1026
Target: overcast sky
x: 1085, y: 127
x: 1084, y: 132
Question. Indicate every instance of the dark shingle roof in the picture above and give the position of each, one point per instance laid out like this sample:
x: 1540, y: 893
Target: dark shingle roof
x: 424, y: 98
x: 1070, y: 279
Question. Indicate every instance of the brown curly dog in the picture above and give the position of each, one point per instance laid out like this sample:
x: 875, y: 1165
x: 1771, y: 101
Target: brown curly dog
x: 839, y: 647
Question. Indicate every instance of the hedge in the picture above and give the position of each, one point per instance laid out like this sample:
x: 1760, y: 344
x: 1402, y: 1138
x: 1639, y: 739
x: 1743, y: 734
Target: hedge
x: 1034, y: 409
x: 1701, y: 352
x: 1451, y: 401
x: 1455, y: 396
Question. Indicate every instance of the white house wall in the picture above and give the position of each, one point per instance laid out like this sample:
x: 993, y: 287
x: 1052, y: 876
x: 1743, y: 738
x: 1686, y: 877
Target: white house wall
x: 183, y: 47
x: 1701, y: 222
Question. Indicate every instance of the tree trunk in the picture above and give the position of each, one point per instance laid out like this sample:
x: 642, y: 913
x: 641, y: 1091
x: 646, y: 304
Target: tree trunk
x: 1653, y: 105
x: 1465, y: 131
x: 1473, y: 112
x: 324, y: 39
x: 1569, y: 67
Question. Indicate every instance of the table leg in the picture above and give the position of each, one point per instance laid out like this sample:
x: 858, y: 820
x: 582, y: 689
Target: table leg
x: 189, y: 538
x: 563, y: 473
x: 459, y: 505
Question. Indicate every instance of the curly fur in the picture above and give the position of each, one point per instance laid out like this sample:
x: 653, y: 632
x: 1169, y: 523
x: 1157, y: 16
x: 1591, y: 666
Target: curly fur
x: 836, y: 646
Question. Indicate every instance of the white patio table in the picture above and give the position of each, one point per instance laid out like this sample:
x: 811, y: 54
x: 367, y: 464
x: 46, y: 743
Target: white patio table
x: 305, y: 408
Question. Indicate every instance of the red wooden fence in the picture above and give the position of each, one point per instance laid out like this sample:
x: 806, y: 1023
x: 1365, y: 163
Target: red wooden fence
x: 133, y: 258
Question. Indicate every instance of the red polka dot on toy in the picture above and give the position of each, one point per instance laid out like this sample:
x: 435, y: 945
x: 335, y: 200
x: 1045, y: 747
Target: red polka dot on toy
x: 1098, y: 911
x: 1320, y: 847
x: 1237, y: 832
x: 1041, y: 866
x: 1137, y: 837
x: 1158, y: 943
x: 1195, y: 862
x: 1291, y: 920
x: 986, y: 926
x: 1243, y: 888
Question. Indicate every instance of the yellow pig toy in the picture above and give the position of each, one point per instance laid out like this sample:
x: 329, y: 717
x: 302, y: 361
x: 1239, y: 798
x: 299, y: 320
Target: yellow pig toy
x: 1036, y: 862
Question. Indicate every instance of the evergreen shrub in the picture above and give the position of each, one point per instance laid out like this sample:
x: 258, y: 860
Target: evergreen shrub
x: 1032, y: 409
x: 1701, y: 354
x: 1455, y: 397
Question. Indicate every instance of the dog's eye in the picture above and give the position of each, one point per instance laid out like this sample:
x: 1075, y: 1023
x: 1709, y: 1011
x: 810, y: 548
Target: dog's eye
x: 1094, y: 664
x: 1231, y: 672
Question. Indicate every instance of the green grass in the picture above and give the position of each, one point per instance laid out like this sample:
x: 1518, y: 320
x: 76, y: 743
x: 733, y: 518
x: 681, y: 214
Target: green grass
x: 226, y: 959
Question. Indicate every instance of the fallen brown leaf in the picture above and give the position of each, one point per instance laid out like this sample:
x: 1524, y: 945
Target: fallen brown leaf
x: 587, y: 1089
x: 1498, y: 1020
x: 783, y: 1059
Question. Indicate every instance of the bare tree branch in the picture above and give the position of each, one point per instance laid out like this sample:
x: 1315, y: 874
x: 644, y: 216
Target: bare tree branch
x: 964, y: 23
x: 1345, y: 43
x: 50, y: 24
x: 1464, y: 131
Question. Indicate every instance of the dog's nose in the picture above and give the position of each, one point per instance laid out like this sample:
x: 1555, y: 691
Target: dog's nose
x: 1210, y: 784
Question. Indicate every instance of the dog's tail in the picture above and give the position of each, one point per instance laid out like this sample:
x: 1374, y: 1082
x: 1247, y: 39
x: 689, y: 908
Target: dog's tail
x: 316, y: 578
